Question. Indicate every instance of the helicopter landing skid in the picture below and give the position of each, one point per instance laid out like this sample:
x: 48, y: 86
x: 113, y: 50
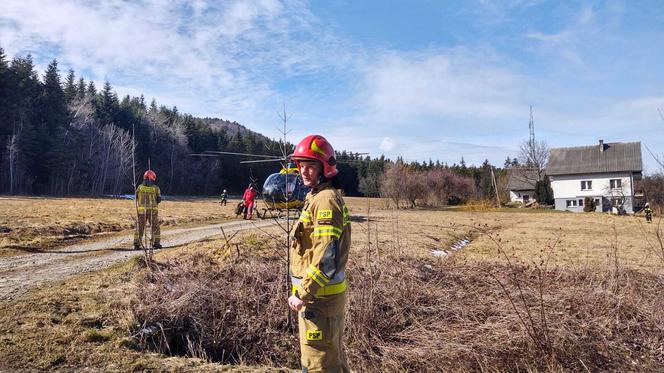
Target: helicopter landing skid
x: 278, y: 213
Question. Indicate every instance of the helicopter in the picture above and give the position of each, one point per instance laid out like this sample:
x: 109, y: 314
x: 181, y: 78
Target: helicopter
x: 282, y: 190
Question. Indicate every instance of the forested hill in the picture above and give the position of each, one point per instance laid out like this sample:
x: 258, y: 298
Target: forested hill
x: 62, y: 135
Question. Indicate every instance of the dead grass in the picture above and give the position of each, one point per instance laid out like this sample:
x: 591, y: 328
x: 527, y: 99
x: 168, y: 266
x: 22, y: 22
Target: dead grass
x: 46, y: 222
x: 408, y: 310
x: 87, y: 323
x: 413, y: 314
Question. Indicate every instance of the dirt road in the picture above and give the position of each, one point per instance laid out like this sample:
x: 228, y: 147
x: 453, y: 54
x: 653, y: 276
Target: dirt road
x: 19, y: 274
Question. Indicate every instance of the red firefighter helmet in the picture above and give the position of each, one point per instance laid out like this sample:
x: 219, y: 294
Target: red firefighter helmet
x: 317, y: 148
x: 150, y: 175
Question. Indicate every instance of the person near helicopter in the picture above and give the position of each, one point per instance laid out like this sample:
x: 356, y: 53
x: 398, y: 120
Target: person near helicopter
x: 249, y: 199
x: 321, y: 243
x: 224, y: 198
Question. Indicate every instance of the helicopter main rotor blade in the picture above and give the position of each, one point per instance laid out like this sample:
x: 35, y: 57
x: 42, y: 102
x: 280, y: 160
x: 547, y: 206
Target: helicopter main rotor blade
x: 244, y: 154
x: 264, y: 160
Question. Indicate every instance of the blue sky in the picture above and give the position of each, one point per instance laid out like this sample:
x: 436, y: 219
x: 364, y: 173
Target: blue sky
x: 421, y: 79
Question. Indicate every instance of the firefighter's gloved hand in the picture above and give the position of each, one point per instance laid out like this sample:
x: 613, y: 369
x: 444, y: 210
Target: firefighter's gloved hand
x: 295, y: 303
x: 158, y: 199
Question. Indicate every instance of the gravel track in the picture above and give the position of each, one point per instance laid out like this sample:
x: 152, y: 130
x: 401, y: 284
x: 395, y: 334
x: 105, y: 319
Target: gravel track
x: 19, y: 274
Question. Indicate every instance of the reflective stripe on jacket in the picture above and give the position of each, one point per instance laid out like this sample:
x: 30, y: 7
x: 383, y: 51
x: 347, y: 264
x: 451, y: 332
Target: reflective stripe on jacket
x: 147, y: 197
x: 321, y: 241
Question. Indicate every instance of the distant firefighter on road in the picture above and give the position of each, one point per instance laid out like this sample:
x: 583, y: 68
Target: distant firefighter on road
x: 148, y: 198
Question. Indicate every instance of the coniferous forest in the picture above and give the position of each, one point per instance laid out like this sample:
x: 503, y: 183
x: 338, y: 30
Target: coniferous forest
x: 61, y: 135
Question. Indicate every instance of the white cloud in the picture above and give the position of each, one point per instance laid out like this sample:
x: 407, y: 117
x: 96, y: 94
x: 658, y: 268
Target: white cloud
x: 222, y: 58
x: 448, y: 84
x: 241, y: 59
x: 387, y: 144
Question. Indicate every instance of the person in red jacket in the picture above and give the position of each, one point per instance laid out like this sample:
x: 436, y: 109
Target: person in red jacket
x: 249, y: 199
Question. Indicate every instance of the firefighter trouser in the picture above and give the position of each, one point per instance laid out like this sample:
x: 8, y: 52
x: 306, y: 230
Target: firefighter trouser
x: 321, y: 327
x: 151, y: 217
x: 649, y: 217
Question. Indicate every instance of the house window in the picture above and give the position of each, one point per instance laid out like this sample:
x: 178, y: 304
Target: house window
x: 615, y: 183
x: 597, y: 202
x: 586, y: 184
x: 571, y: 203
x: 581, y: 202
x: 616, y: 201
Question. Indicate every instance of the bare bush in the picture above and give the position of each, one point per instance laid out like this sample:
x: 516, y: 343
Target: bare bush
x: 232, y: 313
x: 437, y: 187
x: 447, y: 188
x: 410, y: 314
x: 653, y: 187
x: 455, y: 317
x: 392, y: 182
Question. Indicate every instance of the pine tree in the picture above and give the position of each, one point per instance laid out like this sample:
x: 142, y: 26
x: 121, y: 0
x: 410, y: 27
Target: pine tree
x: 108, y: 104
x: 543, y: 191
x: 5, y: 101
x: 52, y: 118
x: 27, y: 90
x: 70, y: 86
x: 153, y: 107
x: 91, y: 91
x: 80, y: 89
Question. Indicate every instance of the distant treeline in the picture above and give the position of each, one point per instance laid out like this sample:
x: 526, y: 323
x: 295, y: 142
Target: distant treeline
x: 66, y: 137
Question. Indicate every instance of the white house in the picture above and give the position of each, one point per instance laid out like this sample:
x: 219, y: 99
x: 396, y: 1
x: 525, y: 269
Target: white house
x: 521, y: 184
x: 605, y: 172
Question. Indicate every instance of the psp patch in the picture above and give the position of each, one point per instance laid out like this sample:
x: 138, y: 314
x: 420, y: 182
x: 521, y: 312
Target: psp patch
x: 324, y: 215
x: 314, y: 335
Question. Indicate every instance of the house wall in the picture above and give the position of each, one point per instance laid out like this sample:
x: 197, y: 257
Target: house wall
x: 568, y: 187
x: 517, y: 195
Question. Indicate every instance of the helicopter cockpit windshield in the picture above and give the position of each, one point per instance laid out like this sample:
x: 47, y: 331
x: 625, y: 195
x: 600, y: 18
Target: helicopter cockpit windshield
x: 273, y: 189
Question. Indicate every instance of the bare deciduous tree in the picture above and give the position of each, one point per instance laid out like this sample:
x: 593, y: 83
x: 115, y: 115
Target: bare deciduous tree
x: 534, y: 154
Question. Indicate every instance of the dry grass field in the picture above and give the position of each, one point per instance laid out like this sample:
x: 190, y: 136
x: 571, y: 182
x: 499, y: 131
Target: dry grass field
x: 531, y: 291
x: 46, y: 222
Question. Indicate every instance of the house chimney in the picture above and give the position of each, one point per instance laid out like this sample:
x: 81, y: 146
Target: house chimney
x: 601, y: 145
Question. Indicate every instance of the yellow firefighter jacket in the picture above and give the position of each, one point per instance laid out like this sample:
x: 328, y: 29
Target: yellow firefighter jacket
x: 321, y: 241
x: 148, y: 198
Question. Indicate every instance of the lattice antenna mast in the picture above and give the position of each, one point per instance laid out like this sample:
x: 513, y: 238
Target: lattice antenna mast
x: 531, y: 128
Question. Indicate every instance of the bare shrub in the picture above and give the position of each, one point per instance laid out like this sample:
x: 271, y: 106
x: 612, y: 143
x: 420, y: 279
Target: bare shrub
x: 437, y: 187
x: 455, y: 317
x: 392, y: 182
x: 232, y: 313
x: 447, y: 188
x: 410, y: 314
x: 653, y: 187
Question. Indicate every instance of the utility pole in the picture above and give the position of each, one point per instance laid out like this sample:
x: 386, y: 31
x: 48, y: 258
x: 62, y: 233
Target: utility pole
x: 495, y: 186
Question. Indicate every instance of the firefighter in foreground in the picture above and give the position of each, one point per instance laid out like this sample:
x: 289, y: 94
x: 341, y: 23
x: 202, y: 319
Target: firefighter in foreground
x: 148, y: 198
x: 321, y: 242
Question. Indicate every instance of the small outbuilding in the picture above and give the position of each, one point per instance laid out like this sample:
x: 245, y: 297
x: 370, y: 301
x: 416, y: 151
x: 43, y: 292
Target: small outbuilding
x: 521, y: 184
